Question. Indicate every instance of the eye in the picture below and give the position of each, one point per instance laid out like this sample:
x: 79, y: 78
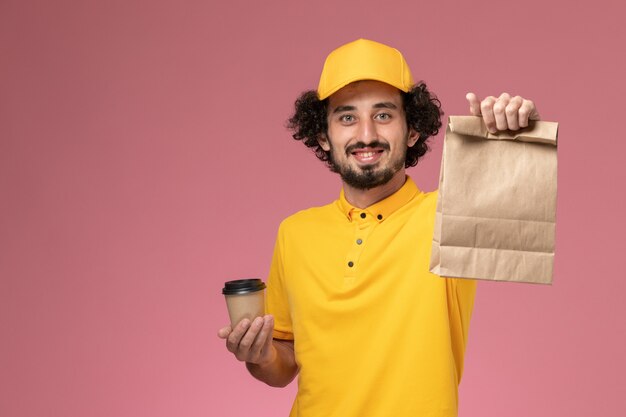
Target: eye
x: 347, y: 118
x: 383, y: 116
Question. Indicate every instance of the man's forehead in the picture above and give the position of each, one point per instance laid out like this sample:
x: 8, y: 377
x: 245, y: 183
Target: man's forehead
x: 366, y: 92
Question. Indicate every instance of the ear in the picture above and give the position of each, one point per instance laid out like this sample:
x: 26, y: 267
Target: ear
x: 323, y: 141
x: 413, y: 137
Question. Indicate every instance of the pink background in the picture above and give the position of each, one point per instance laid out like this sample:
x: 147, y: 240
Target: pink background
x: 143, y: 162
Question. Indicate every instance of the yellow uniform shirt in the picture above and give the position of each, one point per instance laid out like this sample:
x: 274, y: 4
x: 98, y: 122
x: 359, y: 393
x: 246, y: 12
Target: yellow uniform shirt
x: 376, y: 334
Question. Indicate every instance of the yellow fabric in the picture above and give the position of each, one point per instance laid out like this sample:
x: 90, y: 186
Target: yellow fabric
x: 363, y: 60
x: 384, y: 337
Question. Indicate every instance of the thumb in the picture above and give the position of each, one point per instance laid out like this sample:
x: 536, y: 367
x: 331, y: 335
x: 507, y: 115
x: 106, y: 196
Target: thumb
x: 224, y: 332
x: 474, y: 104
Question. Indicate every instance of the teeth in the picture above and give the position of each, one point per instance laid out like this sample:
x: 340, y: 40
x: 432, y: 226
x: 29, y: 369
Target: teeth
x: 366, y: 154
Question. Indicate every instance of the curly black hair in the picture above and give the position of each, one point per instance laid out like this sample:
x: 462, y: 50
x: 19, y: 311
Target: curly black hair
x: 423, y: 114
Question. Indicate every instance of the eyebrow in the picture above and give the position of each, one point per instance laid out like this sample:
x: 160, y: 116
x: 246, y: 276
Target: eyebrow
x: 339, y: 109
x: 383, y: 105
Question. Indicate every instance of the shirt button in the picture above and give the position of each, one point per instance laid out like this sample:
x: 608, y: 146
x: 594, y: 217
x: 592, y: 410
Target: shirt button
x: 350, y: 264
x: 379, y: 217
x: 359, y: 241
x: 363, y: 215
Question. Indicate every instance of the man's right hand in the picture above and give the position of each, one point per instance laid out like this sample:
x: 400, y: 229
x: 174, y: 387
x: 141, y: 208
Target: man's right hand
x: 251, y: 342
x: 269, y: 360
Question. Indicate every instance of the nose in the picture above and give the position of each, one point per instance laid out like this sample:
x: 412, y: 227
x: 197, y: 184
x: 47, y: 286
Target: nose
x: 367, y: 131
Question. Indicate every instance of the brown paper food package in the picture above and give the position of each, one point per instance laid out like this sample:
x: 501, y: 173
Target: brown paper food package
x: 496, y: 208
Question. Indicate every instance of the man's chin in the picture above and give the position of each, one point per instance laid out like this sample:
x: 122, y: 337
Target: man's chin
x: 366, y: 180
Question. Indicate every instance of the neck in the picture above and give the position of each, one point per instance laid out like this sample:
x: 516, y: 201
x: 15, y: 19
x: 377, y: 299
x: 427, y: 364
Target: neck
x: 364, y: 198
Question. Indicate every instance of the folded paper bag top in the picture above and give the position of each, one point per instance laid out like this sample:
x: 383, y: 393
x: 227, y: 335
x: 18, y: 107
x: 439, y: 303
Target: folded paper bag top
x: 536, y: 132
x: 496, y: 206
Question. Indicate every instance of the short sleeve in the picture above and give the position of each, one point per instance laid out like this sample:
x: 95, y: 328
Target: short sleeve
x: 277, y: 300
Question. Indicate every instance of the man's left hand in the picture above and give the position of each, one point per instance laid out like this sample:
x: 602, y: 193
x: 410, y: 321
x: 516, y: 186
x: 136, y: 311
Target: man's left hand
x: 504, y: 112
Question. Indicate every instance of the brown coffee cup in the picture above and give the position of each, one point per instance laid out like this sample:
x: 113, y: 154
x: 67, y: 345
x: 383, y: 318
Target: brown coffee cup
x: 245, y: 299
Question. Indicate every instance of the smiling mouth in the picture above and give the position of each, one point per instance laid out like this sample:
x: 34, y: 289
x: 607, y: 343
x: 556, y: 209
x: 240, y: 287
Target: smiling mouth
x: 367, y: 155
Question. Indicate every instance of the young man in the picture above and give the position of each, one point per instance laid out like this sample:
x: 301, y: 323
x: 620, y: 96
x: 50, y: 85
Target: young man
x: 352, y: 307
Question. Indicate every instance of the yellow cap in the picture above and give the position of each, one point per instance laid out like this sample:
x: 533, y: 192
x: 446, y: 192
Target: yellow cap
x: 364, y: 60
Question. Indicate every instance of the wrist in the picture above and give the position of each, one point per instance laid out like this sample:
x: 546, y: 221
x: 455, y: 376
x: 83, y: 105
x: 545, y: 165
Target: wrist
x: 265, y: 359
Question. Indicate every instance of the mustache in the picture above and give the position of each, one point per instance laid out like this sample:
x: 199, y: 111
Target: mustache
x: 362, y: 145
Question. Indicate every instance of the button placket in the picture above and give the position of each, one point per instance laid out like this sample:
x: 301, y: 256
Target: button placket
x: 363, y: 224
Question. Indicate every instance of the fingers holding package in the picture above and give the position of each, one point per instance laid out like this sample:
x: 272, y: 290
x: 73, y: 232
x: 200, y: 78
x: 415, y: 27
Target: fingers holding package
x: 250, y: 341
x: 503, y: 112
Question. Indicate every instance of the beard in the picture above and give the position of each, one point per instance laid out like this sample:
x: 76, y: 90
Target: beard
x: 370, y: 176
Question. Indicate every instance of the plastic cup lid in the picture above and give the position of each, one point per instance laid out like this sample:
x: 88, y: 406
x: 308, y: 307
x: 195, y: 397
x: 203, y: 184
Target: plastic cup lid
x: 243, y: 286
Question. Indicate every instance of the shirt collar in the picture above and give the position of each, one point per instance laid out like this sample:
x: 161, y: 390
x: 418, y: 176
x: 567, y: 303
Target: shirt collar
x: 384, y: 208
